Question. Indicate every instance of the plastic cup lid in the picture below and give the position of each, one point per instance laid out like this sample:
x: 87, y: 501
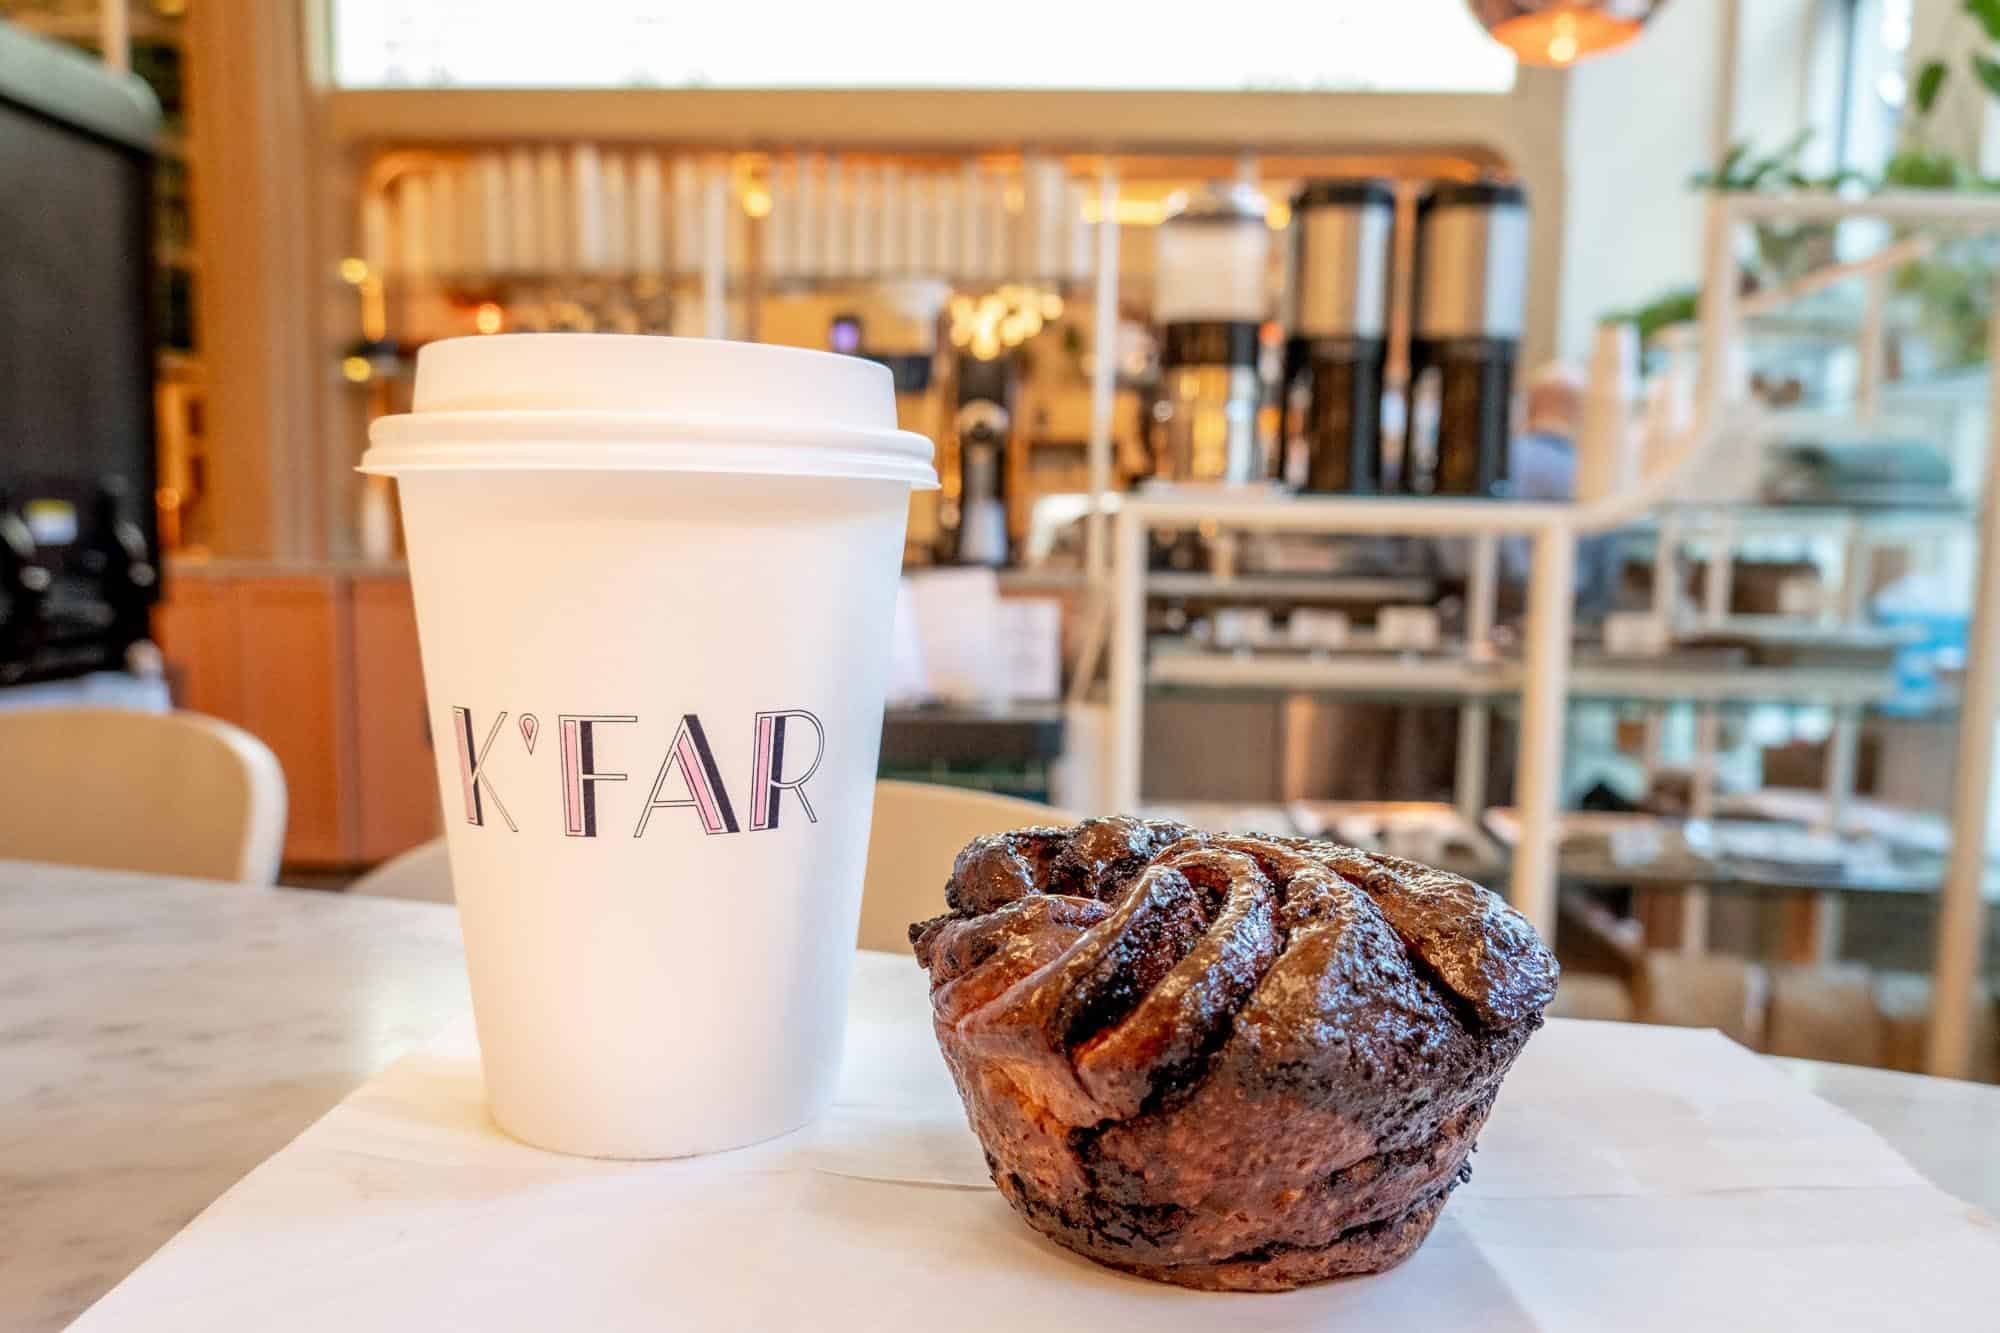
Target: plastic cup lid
x: 629, y: 402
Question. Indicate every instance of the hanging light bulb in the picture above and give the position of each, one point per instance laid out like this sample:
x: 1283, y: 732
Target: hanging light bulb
x: 1562, y: 32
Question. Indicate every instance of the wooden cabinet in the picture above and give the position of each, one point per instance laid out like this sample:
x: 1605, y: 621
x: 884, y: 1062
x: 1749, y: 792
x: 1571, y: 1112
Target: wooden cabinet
x: 398, y: 796
x: 323, y: 667
x: 200, y: 633
x: 292, y: 694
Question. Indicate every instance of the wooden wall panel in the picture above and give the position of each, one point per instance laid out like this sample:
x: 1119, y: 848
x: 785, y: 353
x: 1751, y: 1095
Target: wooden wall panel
x: 295, y: 651
x: 251, y: 98
x: 199, y: 632
x: 398, y: 794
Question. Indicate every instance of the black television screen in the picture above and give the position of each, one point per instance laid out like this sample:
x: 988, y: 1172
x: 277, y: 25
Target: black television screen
x: 76, y: 357
x: 76, y: 344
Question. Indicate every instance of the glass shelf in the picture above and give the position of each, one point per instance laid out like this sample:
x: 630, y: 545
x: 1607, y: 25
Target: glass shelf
x: 1675, y: 678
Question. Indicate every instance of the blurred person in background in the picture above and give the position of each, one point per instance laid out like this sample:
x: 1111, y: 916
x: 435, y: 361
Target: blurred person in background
x: 1541, y: 466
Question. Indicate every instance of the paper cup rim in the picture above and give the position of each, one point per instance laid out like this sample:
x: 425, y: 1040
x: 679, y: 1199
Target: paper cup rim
x: 570, y: 440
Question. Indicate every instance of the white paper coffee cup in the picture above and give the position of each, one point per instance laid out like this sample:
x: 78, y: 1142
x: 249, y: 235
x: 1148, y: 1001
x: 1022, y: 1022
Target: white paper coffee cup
x: 655, y: 582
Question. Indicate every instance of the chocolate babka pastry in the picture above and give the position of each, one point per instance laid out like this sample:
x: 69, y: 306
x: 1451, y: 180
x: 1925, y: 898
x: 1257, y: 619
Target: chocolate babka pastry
x: 1236, y: 1063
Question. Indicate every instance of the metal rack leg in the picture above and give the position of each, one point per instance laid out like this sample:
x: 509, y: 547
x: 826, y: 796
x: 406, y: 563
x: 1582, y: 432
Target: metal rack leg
x: 1544, y: 697
x: 1961, y: 914
x: 1474, y: 717
x: 1128, y: 659
x: 715, y: 255
x: 1103, y: 373
x: 1666, y: 572
x: 1469, y: 778
x: 1720, y: 576
x: 1810, y: 923
x: 1652, y: 745
x: 1693, y: 929
x: 1857, y: 563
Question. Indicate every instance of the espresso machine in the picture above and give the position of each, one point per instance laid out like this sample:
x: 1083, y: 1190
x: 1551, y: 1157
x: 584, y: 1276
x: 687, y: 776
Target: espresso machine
x: 1465, y: 336
x: 1214, y: 248
x: 1343, y: 237
x: 78, y: 576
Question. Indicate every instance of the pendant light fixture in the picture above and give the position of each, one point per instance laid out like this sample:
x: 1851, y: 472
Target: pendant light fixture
x: 1562, y: 32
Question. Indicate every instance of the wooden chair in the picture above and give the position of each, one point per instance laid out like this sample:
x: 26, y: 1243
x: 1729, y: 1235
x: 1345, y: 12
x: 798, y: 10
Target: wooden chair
x: 918, y: 831
x: 1602, y: 958
x: 165, y: 793
x: 1903, y: 999
x: 1825, y: 1012
x: 1594, y: 995
x: 1731, y: 995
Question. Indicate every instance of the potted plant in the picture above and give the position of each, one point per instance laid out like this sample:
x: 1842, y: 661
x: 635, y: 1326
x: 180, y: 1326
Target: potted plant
x: 1951, y: 290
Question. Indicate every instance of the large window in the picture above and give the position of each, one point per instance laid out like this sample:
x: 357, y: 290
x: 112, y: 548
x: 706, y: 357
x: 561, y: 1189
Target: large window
x: 1276, y: 45
x: 1874, y: 88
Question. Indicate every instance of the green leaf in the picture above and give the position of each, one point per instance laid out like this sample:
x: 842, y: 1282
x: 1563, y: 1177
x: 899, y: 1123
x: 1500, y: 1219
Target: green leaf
x: 1923, y: 169
x: 1988, y: 71
x: 1722, y: 176
x: 1988, y: 14
x: 1930, y: 79
x: 1741, y: 172
x: 1783, y: 164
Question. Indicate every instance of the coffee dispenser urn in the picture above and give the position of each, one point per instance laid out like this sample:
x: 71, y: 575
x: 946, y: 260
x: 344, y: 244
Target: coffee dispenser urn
x: 1342, y: 256
x: 982, y: 426
x: 1470, y: 303
x: 1213, y: 253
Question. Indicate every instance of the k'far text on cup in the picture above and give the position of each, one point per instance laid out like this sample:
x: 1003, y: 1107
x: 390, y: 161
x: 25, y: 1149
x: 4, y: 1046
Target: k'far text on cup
x: 786, y: 748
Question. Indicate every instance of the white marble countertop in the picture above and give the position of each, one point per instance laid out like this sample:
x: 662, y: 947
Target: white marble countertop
x: 159, y: 1038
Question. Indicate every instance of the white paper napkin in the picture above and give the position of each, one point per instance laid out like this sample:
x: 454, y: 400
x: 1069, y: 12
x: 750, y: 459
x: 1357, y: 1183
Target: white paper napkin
x: 1631, y: 1178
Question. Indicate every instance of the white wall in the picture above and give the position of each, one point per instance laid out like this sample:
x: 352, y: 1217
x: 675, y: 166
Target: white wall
x: 1778, y: 45
x: 1640, y: 121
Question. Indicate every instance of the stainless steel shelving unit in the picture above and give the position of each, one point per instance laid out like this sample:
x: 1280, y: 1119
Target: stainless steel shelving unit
x: 1639, y: 680
x: 1546, y: 676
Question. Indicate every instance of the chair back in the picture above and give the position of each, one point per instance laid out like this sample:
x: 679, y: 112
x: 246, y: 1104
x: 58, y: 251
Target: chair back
x: 919, y: 830
x: 166, y: 793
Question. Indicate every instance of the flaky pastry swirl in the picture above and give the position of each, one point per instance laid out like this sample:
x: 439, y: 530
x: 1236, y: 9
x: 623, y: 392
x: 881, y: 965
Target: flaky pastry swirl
x: 1228, y: 1062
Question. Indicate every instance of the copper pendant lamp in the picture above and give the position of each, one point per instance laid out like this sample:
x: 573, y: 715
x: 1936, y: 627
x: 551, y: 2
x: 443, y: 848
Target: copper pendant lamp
x: 1562, y: 32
